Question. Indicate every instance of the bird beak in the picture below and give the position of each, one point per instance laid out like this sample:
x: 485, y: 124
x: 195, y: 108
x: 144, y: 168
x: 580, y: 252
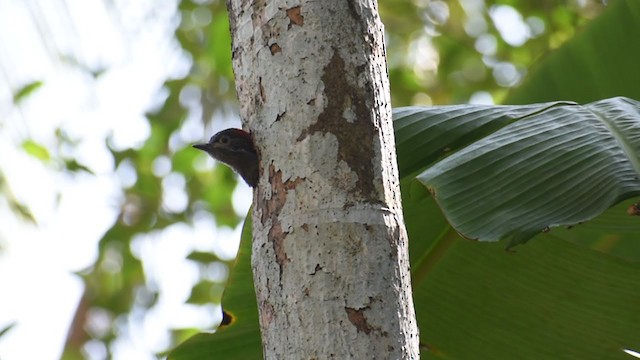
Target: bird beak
x: 203, y: 147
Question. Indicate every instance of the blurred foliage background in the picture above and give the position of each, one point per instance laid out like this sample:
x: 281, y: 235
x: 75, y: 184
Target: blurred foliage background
x: 439, y: 52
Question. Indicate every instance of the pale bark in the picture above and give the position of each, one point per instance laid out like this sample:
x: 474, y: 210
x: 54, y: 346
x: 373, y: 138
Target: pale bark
x: 330, y: 257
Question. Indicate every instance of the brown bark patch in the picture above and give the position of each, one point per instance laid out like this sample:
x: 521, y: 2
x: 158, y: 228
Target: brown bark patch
x: 355, y: 136
x: 279, y: 190
x: 263, y: 97
x: 295, y: 18
x: 277, y: 236
x: 266, y: 313
x: 356, y: 317
x: 275, y: 48
x: 271, y: 211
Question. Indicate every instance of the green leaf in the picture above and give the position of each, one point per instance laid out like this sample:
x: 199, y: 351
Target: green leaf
x: 203, y: 257
x: 22, y: 210
x: 25, y: 91
x: 205, y: 292
x: 74, y: 166
x: 36, y: 150
x: 241, y: 338
x: 550, y: 300
x: 425, y: 134
x: 613, y: 232
x: 14, y: 204
x: 6, y: 329
x: 557, y: 164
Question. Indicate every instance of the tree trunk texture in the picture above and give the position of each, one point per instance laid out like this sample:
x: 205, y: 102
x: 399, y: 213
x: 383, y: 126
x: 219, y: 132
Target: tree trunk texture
x: 330, y: 258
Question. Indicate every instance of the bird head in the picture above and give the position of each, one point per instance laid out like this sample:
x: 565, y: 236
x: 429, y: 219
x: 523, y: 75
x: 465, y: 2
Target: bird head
x: 235, y: 148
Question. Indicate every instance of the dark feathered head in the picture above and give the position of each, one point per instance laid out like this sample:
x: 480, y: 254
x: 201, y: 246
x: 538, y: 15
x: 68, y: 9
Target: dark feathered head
x: 234, y: 147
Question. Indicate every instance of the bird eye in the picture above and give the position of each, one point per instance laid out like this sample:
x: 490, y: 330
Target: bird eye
x: 224, y: 140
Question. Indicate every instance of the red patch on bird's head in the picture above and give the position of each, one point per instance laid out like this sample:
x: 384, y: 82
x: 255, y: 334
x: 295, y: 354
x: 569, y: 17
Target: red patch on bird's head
x: 232, y: 132
x: 239, y: 132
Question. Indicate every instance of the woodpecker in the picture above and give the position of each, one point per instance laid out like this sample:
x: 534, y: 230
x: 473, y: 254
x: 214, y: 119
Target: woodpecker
x: 235, y: 148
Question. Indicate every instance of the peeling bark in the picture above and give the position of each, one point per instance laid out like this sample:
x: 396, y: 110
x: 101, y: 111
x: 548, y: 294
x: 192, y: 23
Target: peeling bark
x: 330, y: 255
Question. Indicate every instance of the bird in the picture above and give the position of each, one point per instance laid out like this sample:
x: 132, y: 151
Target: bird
x: 235, y: 148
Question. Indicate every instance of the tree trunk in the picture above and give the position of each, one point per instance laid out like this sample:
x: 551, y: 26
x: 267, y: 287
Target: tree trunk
x: 330, y: 258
